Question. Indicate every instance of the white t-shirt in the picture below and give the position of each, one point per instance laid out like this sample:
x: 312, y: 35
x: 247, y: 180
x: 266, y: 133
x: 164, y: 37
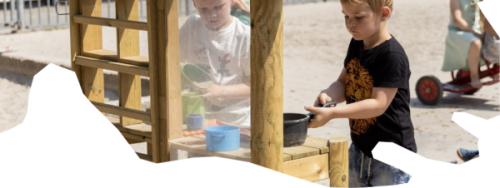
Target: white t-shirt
x: 225, y: 55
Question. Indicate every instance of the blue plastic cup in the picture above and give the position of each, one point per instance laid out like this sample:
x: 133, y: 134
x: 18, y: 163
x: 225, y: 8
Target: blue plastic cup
x: 194, y: 122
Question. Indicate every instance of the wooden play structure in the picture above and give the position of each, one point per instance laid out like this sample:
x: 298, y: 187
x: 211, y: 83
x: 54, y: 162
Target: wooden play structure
x: 318, y: 159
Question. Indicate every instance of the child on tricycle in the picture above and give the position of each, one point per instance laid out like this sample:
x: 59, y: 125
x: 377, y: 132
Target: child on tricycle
x: 471, y: 42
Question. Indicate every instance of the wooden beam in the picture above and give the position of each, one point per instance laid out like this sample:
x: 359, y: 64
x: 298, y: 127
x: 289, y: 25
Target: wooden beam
x: 133, y: 141
x: 154, y: 73
x: 110, y: 65
x: 99, y: 21
x: 122, y: 111
x: 144, y: 156
x: 137, y: 129
x: 339, y: 162
x: 136, y: 137
x: 76, y: 49
x: 112, y: 56
x: 129, y: 85
x: 314, y: 168
x: 267, y: 83
x: 91, y: 39
x: 170, y: 74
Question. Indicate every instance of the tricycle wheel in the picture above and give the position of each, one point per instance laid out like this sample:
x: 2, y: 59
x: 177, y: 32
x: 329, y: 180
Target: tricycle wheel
x: 429, y: 90
x: 471, y: 92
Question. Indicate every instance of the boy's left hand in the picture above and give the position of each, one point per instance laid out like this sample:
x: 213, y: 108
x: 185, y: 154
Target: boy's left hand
x: 321, y: 116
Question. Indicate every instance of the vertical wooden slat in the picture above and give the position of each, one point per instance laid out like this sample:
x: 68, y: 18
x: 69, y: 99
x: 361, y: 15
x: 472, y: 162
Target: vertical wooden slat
x: 74, y: 9
x: 129, y: 87
x: 91, y: 37
x: 173, y: 78
x: 163, y: 37
x: 267, y: 83
x: 154, y: 78
x: 162, y: 81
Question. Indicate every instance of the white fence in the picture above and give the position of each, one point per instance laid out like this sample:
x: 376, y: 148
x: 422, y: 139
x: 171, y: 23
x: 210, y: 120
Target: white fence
x: 40, y: 14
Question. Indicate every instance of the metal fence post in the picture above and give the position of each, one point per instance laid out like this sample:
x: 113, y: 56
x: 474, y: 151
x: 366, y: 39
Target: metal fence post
x: 187, y: 7
x: 20, y: 14
x: 12, y: 9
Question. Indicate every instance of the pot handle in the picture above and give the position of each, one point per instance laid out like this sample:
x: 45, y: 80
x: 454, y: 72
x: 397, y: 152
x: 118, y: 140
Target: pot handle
x: 219, y: 136
x: 327, y: 105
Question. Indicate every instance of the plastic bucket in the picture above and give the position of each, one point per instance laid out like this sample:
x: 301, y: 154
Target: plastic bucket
x: 222, y: 138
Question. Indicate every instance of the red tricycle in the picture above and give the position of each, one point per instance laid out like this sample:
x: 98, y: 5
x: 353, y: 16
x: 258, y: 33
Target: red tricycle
x: 430, y: 90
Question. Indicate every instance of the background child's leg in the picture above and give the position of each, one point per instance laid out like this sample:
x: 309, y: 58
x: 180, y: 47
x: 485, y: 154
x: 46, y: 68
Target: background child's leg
x: 473, y: 61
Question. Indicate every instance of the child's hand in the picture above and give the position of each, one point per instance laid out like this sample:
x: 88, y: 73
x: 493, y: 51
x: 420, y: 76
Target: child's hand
x: 321, y: 116
x: 241, y: 5
x: 215, y: 91
x: 322, y: 99
x: 479, y: 35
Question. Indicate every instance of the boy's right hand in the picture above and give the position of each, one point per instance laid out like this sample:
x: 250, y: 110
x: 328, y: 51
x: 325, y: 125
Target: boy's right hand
x: 322, y: 99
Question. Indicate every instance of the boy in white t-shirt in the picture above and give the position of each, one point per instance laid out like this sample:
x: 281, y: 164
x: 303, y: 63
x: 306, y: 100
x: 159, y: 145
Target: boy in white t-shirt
x: 220, y: 44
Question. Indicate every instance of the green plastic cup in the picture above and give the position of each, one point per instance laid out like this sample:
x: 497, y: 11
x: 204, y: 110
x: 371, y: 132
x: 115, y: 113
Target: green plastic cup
x: 192, y: 103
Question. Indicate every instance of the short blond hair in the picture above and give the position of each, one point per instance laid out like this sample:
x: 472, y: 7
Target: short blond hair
x: 375, y: 5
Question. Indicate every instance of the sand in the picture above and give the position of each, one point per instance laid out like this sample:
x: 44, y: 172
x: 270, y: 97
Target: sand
x: 315, y: 43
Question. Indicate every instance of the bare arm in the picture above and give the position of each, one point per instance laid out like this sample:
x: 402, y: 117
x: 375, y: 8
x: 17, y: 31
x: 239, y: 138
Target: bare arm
x: 335, y: 92
x: 242, y: 5
x: 240, y: 91
x: 369, y: 108
x: 456, y: 14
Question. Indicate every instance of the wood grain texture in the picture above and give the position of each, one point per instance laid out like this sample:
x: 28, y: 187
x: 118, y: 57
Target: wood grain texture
x: 153, y: 43
x: 312, y: 168
x: 111, y: 65
x: 91, y: 39
x: 267, y: 83
x: 74, y: 29
x: 129, y: 88
x: 122, y: 111
x: 136, y: 25
x: 339, y: 161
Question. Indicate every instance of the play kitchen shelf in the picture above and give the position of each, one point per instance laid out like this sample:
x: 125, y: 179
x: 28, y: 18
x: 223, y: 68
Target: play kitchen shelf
x: 311, y: 161
x: 196, y: 144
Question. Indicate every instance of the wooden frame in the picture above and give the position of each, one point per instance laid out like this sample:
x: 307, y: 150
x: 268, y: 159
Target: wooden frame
x: 162, y: 68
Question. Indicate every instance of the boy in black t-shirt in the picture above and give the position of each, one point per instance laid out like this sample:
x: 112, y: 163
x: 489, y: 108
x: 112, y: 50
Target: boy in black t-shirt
x: 374, y: 84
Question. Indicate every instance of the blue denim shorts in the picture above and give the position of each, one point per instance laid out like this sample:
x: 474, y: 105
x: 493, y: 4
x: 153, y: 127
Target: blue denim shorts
x: 365, y: 171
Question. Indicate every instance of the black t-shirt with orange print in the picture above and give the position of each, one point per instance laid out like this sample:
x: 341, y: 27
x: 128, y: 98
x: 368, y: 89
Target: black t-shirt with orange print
x: 386, y: 66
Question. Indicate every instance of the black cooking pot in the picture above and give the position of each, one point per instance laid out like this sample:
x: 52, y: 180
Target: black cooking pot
x: 295, y: 126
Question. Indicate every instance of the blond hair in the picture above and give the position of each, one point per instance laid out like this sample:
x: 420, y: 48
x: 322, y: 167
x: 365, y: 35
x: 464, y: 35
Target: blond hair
x: 375, y: 5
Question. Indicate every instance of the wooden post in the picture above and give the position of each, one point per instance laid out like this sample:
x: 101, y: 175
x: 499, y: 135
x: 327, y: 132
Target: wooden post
x: 74, y: 9
x: 164, y: 73
x: 91, y: 37
x: 129, y: 87
x: 153, y: 44
x: 172, y: 75
x: 267, y: 83
x: 339, y: 162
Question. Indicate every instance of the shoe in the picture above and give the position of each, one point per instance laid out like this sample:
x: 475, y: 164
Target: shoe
x: 454, y: 162
x: 467, y: 155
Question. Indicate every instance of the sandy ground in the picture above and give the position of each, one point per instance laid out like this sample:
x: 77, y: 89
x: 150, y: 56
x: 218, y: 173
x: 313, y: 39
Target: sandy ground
x: 314, y: 49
